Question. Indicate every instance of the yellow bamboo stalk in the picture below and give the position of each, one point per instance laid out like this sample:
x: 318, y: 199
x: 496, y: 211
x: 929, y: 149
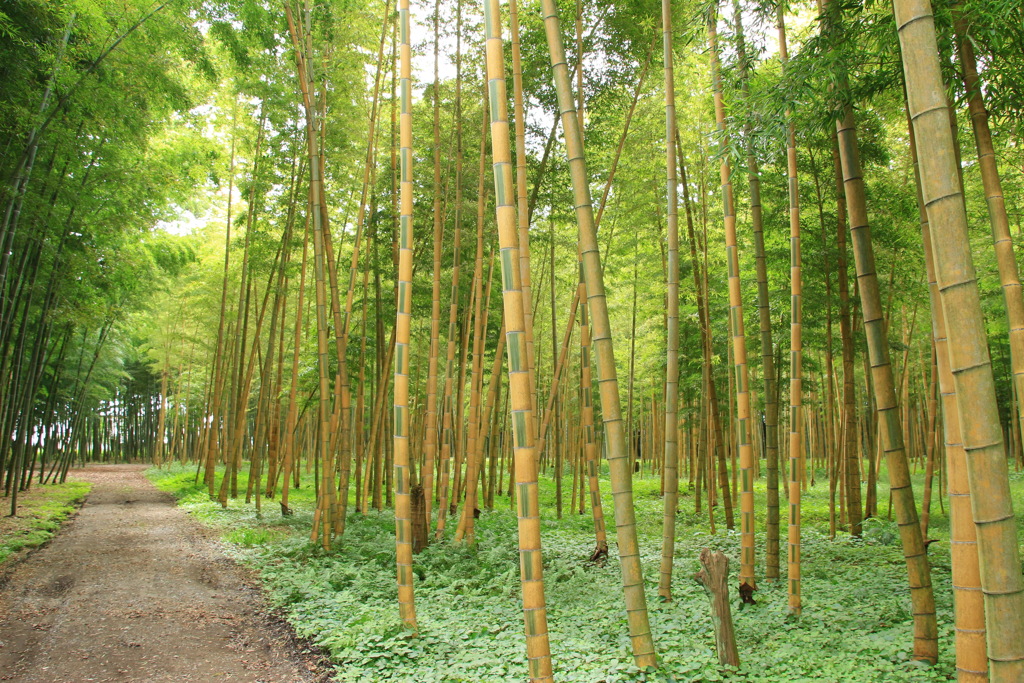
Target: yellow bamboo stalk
x: 403, y: 318
x: 771, y: 405
x: 538, y: 651
x: 1009, y: 278
x: 795, y: 344
x: 739, y: 347
x: 522, y: 204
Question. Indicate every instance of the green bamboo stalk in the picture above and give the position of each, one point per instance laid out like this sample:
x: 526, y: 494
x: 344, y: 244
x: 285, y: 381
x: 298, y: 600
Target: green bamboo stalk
x: 447, y: 407
x: 591, y: 456
x: 321, y: 516
x: 430, y: 428
x: 671, y: 466
x: 902, y: 495
x: 987, y: 471
x: 968, y: 600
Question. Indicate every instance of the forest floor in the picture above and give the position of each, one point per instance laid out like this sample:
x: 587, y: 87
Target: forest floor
x: 134, y: 590
x: 856, y: 623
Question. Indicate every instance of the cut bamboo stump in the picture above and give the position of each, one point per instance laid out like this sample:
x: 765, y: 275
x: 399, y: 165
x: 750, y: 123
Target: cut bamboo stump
x: 714, y: 577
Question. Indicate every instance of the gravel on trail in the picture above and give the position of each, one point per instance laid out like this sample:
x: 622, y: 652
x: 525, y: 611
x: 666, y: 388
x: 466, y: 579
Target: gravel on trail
x: 133, y: 589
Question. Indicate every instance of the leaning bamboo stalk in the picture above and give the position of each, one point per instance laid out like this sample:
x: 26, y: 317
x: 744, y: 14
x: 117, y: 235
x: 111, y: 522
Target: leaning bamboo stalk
x: 591, y: 456
x: 556, y: 449
x: 266, y: 422
x: 531, y: 566
x: 321, y: 517
x: 581, y: 291
x: 618, y: 455
x: 563, y: 356
x: 475, y: 435
x: 469, y: 327
x: 476, y: 456
x: 849, y: 485
x: 372, y: 457
x: 219, y: 352
x: 930, y: 444
x: 999, y: 559
x: 703, y: 316
x: 341, y: 419
x: 291, y: 422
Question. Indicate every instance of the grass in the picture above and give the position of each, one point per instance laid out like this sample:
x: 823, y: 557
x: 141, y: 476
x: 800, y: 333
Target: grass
x: 856, y: 624
x: 41, y: 510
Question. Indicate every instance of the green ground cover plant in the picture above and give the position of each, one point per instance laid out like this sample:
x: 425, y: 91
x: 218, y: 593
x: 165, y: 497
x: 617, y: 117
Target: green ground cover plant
x: 41, y: 510
x: 854, y: 626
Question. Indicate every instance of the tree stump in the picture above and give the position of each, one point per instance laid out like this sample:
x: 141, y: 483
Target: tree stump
x: 419, y: 518
x: 714, y: 577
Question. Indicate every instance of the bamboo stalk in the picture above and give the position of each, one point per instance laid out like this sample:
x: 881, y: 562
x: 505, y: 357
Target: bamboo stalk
x: 403, y: 318
x: 447, y: 417
x: 771, y: 406
x: 671, y: 444
x: 914, y: 552
x: 999, y: 558
x: 1009, y: 279
x: 618, y: 456
x: 796, y: 409
x: 739, y: 348
x: 522, y: 204
x: 538, y: 650
x: 968, y: 600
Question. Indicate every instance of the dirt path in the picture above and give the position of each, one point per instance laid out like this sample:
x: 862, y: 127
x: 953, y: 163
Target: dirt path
x: 134, y: 590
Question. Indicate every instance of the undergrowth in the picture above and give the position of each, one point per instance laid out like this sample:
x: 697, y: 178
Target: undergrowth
x: 41, y: 510
x: 856, y: 623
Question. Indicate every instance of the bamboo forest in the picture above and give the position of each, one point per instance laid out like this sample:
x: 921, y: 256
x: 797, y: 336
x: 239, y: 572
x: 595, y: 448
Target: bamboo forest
x: 606, y: 341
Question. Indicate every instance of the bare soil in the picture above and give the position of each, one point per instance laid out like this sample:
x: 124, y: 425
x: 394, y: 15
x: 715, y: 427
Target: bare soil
x: 132, y: 589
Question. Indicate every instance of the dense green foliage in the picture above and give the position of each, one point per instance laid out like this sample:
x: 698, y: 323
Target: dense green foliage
x: 153, y: 198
